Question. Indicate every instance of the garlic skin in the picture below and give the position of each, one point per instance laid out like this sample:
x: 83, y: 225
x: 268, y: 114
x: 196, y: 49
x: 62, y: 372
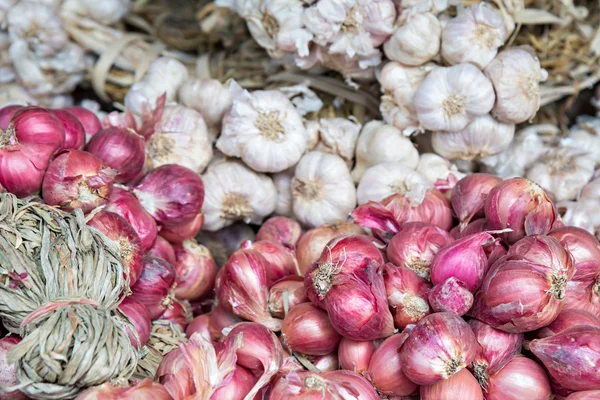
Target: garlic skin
x: 483, y: 137
x: 106, y: 12
x: 165, y: 75
x: 399, y: 84
x: 516, y: 75
x: 7, y: 73
x: 416, y: 40
x: 562, y: 172
x: 474, y: 36
x: 385, y: 179
x: 585, y: 136
x: 438, y: 171
x: 5, y: 5
x: 13, y: 93
x: 180, y: 137
x: 264, y: 129
x: 322, y: 190
x: 582, y: 214
x: 451, y: 97
x: 337, y: 136
x: 283, y: 183
x: 233, y: 192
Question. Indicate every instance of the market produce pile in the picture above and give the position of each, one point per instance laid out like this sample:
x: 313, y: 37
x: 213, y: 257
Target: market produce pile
x: 382, y: 220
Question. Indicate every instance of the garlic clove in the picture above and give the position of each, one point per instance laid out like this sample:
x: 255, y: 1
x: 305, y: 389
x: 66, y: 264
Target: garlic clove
x: 416, y: 40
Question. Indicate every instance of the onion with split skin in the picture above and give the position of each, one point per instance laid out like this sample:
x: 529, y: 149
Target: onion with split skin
x: 285, y: 294
x: 196, y: 270
x: 407, y: 295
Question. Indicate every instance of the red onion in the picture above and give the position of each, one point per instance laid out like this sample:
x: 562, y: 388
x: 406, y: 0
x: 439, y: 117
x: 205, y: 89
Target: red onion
x: 236, y: 385
x: 572, y: 356
x: 77, y: 179
x: 407, y: 295
x: 121, y: 149
x: 415, y: 246
x: 567, y: 319
x: 74, y: 132
x: 544, y: 250
x: 8, y: 375
x: 124, y: 203
x: 7, y: 113
x: 154, y: 286
x: 438, y: 347
x: 172, y: 194
x: 242, y: 287
x: 333, y: 385
x: 196, y: 270
x: 520, y: 379
x: 346, y: 281
x: 199, y: 324
x: 138, y: 315
x: 307, y: 330
x: 182, y: 232
x: 451, y: 295
x: 476, y: 226
x: 385, y: 369
x: 522, y: 206
x: 162, y: 249
x: 281, y: 261
x: 494, y: 252
x: 461, y: 385
x: 469, y: 194
x: 465, y: 259
x: 118, y: 229
x: 89, y: 120
x: 585, y: 395
x: 354, y: 355
x: 281, y: 230
x: 327, y: 362
x: 144, y: 389
x: 33, y: 136
x: 285, y: 294
x: 178, y: 313
x: 311, y: 244
x: 497, y: 348
x: 221, y: 319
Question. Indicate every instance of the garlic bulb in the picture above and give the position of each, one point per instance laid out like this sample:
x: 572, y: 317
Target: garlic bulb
x: 13, y: 93
x: 516, y: 75
x: 264, y: 129
x: 591, y: 190
x: 283, y: 184
x: 399, y: 85
x: 562, y: 172
x: 434, y: 6
x: 585, y: 136
x: 451, y: 97
x: 5, y: 5
x: 438, y: 171
x: 210, y: 98
x: 165, y: 75
x: 312, y: 134
x: 106, y: 12
x: 337, y: 136
x: 233, y: 192
x: 379, y: 143
x: 322, y: 189
x: 416, y: 40
x: 474, y: 36
x: 7, y: 72
x: 385, y: 179
x: 180, y: 137
x: 483, y: 137
x: 582, y: 214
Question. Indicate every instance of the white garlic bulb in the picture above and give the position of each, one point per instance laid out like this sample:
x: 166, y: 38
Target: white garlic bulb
x: 14, y: 93
x: 7, y: 73
x: 264, y: 129
x: 416, y: 40
x: 5, y: 5
x: 165, y: 75
x: 562, y: 172
x: 283, y: 184
x: 322, y: 189
x: 516, y: 75
x: 591, y: 190
x: 312, y: 134
x: 434, y: 6
x: 438, y: 171
x: 379, y: 143
x: 585, y: 136
x: 233, y: 192
x: 399, y: 85
x: 483, y: 137
x: 474, y: 36
x: 106, y: 12
x: 385, y: 179
x: 451, y: 97
x: 180, y: 137
x: 336, y: 136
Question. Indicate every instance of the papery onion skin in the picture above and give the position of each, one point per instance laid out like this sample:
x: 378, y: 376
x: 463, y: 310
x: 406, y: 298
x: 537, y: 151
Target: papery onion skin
x: 354, y: 355
x: 220, y: 318
x: 8, y: 375
x: 290, y: 289
x: 124, y: 203
x: 236, y: 385
x: 311, y: 244
x: 451, y: 295
x: 572, y: 356
x: 306, y: 329
x: 282, y: 230
x: 415, y: 246
x: 179, y: 233
x: 90, y: 122
x: 281, y: 261
x: 469, y: 194
x: 144, y: 389
x: 77, y: 179
x: 522, y: 206
x: 567, y: 319
x: 154, y: 286
x: 460, y: 385
x: 74, y: 132
x: 385, y: 368
x: 476, y: 226
x: 520, y: 379
x: 121, y: 149
x: 196, y: 270
x: 439, y: 346
x: 7, y: 113
x: 585, y: 395
x: 172, y: 194
x: 138, y: 315
x: 407, y: 295
x: 544, y: 250
x: 199, y: 324
x: 178, y: 313
x: 162, y: 249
